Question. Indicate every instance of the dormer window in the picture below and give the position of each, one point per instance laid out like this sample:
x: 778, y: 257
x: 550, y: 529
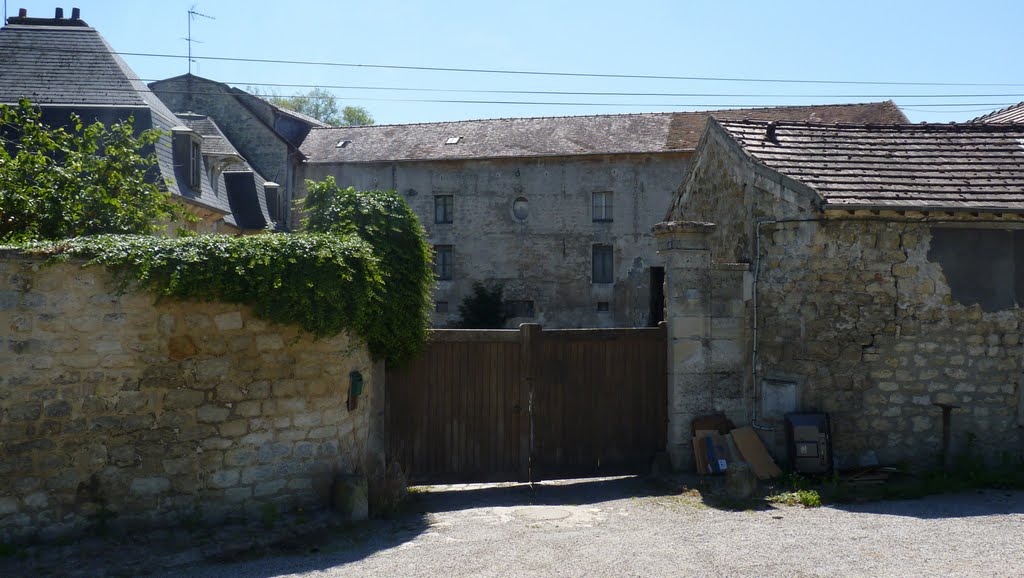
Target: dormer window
x: 453, y: 140
x: 188, y: 157
x: 195, y: 159
x: 343, y: 143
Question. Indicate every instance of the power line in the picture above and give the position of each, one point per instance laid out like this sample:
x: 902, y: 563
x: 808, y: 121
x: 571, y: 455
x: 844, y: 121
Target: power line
x: 584, y: 93
x: 542, y: 73
x: 715, y: 105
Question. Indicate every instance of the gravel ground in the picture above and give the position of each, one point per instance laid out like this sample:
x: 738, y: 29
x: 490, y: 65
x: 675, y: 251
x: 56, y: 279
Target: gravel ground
x: 598, y: 527
x: 623, y: 527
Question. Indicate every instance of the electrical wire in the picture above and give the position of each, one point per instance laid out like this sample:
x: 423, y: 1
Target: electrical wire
x: 533, y: 72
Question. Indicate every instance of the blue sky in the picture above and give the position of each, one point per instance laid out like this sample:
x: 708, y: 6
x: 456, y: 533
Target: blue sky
x: 938, y: 41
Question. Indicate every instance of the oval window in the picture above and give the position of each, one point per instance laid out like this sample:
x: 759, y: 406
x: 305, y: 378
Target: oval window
x: 520, y: 208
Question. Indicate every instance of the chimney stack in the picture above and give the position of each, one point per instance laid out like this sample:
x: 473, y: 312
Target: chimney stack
x: 76, y: 14
x: 58, y: 14
x: 22, y: 13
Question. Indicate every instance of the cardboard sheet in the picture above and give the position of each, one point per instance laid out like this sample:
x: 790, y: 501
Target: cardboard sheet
x: 754, y: 453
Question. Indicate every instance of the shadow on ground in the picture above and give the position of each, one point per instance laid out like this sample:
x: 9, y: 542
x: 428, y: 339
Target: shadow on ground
x: 554, y: 492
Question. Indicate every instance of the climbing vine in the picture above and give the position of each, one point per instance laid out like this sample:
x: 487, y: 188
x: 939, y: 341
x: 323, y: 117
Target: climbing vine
x: 385, y: 221
x: 323, y: 283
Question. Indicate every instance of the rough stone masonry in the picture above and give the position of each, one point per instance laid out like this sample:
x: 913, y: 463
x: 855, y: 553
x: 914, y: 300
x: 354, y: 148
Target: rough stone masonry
x: 117, y: 410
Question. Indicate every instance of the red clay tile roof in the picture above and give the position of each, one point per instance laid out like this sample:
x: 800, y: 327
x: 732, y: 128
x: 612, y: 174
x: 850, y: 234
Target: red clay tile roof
x: 949, y: 167
x: 558, y: 136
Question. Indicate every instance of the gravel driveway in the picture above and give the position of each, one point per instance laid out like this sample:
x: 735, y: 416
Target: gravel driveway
x: 627, y: 527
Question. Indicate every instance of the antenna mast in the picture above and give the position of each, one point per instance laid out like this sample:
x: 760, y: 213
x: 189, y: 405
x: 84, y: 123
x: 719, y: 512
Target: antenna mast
x: 191, y: 16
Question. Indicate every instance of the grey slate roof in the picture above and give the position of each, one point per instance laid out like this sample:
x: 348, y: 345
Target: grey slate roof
x: 949, y: 167
x: 214, y: 141
x: 1013, y: 113
x: 243, y: 185
x: 557, y: 136
x: 72, y: 68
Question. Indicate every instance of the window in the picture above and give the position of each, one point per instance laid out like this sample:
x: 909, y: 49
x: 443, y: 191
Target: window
x: 519, y: 308
x: 441, y: 307
x: 521, y: 208
x: 603, y: 264
x: 195, y: 165
x: 444, y: 208
x: 602, y: 202
x: 443, y: 262
x: 273, y: 194
x: 602, y: 306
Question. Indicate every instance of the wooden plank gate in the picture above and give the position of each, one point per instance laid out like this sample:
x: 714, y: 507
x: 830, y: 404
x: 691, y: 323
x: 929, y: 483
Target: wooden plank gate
x: 529, y: 404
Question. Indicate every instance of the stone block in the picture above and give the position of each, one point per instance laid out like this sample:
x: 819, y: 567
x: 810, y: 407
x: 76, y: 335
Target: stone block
x: 228, y: 321
x: 240, y: 457
x: 269, y: 342
x: 183, y: 399
x: 212, y: 413
x: 213, y: 370
x: 181, y: 347
x: 224, y: 478
x: 235, y: 428
x: 257, y: 474
x: 269, y: 488
x: 150, y: 486
x: 27, y: 411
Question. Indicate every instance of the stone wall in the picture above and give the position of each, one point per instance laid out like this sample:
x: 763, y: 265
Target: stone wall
x: 546, y: 256
x: 115, y: 408
x: 860, y: 315
x: 872, y: 317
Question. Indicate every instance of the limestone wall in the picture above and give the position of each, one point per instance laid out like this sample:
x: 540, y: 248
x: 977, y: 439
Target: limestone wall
x: 546, y: 256
x: 116, y: 409
x: 861, y: 316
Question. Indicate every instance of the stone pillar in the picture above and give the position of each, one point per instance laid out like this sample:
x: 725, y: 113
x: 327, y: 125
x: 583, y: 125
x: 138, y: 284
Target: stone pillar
x: 688, y: 311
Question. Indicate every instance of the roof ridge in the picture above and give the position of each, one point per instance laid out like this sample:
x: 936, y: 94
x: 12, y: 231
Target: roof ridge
x: 997, y: 112
x: 614, y: 115
x: 966, y: 126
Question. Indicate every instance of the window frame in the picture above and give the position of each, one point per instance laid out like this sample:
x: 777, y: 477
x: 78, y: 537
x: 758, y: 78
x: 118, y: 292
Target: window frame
x: 446, y: 204
x: 602, y: 263
x: 195, y: 159
x: 444, y: 259
x: 602, y: 206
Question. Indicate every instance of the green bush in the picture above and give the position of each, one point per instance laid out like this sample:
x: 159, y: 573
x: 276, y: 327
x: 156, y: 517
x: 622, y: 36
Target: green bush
x: 57, y: 183
x: 382, y: 219
x: 483, y: 309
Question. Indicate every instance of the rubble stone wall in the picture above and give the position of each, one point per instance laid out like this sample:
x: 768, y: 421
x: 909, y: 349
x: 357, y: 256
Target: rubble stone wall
x: 116, y: 409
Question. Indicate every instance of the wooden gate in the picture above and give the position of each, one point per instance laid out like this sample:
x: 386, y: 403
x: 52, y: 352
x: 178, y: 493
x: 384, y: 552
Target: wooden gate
x: 502, y: 405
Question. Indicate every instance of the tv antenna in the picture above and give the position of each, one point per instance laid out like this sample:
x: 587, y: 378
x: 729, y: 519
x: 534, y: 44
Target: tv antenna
x: 192, y: 16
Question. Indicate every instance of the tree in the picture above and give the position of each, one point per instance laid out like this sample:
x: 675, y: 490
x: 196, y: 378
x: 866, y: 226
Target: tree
x: 57, y: 183
x: 322, y: 105
x: 484, y: 309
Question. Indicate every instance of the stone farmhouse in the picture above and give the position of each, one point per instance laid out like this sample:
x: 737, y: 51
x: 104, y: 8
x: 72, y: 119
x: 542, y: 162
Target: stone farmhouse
x: 868, y: 271
x: 557, y: 210
x: 64, y: 66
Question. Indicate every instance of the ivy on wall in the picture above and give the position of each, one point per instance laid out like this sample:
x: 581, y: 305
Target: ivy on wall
x: 385, y: 221
x: 325, y: 283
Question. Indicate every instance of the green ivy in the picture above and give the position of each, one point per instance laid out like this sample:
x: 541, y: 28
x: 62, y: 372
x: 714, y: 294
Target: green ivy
x: 385, y: 221
x: 324, y: 283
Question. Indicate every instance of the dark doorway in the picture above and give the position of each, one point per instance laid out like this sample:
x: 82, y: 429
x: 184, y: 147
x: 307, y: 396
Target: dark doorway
x: 657, y: 296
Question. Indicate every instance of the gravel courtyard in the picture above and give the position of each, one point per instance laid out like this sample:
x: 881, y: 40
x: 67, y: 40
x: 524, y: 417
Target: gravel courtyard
x: 627, y: 527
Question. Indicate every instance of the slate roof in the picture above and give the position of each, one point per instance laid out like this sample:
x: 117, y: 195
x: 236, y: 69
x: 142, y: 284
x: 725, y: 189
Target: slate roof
x: 243, y: 184
x: 557, y: 136
x: 72, y: 68
x: 1013, y: 113
x: 949, y: 167
x: 214, y: 141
